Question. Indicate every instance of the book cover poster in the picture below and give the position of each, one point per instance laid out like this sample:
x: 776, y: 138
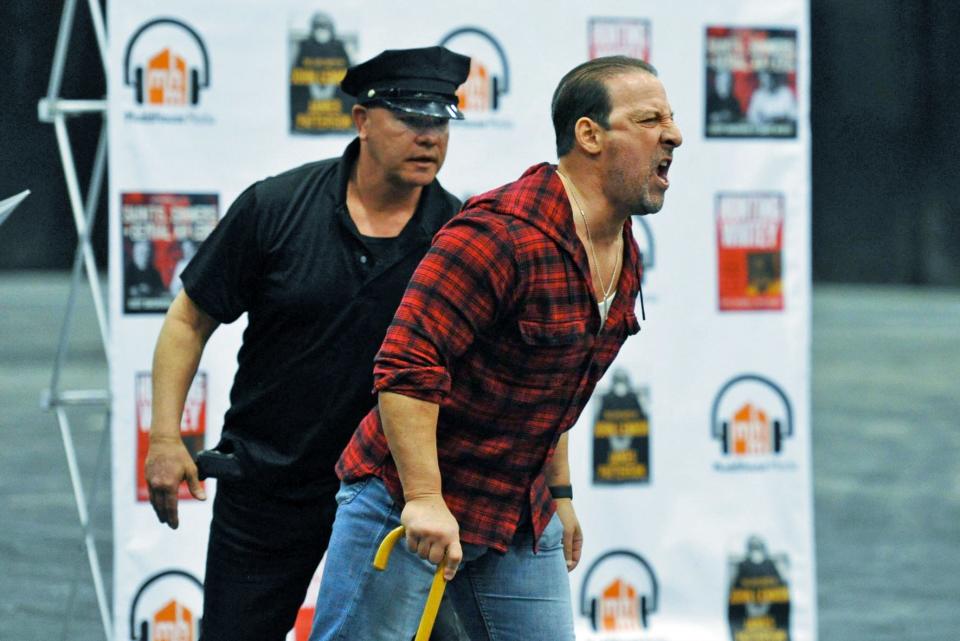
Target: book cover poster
x: 621, y: 433
x: 161, y: 233
x: 750, y: 251
x: 759, y: 599
x: 751, y: 77
x: 319, y: 59
x: 618, y: 37
x: 193, y: 425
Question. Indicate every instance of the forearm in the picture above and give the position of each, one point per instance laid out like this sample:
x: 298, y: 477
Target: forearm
x: 557, y: 470
x: 410, y: 426
x: 175, y: 360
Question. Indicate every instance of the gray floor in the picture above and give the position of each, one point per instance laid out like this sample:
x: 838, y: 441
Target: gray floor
x: 886, y: 410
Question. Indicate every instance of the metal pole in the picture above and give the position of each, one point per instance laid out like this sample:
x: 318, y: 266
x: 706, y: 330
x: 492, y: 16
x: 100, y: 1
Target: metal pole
x: 91, y: 507
x: 60, y: 53
x: 81, y: 501
x: 47, y: 108
x: 76, y: 206
x: 96, y: 178
x: 61, y: 357
x: 96, y: 15
x: 93, y: 195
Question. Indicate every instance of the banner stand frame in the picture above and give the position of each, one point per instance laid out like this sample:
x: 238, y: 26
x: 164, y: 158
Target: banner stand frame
x: 55, y: 110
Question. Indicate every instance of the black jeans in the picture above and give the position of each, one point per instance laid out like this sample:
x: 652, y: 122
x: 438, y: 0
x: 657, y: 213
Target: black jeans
x: 261, y: 555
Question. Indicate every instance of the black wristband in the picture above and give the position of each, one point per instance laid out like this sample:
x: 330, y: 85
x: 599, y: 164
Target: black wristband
x: 561, y: 491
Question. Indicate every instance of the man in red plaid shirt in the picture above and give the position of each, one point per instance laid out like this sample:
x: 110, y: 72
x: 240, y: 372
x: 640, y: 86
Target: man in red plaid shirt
x: 519, y: 307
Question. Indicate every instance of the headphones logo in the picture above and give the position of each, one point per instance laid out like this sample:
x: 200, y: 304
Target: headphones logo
x: 489, y: 77
x: 619, y: 592
x: 170, y: 50
x: 751, y: 416
x: 167, y: 607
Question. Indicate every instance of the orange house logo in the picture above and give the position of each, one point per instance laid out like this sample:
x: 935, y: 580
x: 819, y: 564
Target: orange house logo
x: 751, y: 417
x: 479, y: 91
x: 750, y: 431
x: 167, y: 607
x: 173, y: 622
x: 167, y: 79
x: 619, y: 608
x: 166, y: 64
x: 489, y: 78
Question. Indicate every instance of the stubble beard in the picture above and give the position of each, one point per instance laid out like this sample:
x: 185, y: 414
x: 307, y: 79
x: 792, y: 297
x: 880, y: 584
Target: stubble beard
x: 635, y: 192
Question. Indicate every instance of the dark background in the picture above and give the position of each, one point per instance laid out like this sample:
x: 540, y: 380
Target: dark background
x: 885, y: 99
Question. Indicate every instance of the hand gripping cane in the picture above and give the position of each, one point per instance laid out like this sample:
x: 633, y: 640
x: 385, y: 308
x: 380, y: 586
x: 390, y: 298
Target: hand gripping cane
x: 436, y: 588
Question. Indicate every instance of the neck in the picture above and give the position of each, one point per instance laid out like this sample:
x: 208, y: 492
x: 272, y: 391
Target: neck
x: 379, y: 206
x: 585, y: 192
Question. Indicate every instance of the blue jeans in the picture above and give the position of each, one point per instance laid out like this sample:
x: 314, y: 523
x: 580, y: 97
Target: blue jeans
x: 517, y: 596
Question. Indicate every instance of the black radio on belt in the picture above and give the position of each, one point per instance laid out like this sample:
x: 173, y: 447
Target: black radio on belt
x: 219, y: 465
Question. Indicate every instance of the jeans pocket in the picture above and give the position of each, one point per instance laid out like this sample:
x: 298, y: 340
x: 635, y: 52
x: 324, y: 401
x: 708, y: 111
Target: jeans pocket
x: 350, y: 491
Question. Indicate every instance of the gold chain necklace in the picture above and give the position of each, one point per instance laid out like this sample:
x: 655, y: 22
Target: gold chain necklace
x: 606, y: 290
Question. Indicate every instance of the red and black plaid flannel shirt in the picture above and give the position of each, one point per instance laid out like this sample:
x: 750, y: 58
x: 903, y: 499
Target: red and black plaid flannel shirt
x: 499, y: 326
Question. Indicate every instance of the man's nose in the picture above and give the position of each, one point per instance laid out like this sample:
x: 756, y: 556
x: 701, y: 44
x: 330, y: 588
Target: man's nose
x: 429, y: 136
x: 671, y: 135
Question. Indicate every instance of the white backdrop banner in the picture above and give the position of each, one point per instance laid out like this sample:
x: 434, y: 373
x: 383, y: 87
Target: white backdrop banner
x: 691, y: 464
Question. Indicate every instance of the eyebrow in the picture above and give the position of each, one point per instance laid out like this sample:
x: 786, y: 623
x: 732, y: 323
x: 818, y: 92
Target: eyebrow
x: 652, y: 111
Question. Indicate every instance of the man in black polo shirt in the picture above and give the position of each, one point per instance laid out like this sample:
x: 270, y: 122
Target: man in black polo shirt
x: 318, y: 257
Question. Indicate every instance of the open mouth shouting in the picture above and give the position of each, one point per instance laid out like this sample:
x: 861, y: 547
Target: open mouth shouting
x: 662, y: 168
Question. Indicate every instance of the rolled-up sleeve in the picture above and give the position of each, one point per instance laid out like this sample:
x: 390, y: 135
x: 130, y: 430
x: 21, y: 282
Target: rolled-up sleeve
x: 463, y: 285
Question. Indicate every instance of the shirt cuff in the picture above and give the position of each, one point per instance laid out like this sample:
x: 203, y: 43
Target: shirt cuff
x: 429, y: 384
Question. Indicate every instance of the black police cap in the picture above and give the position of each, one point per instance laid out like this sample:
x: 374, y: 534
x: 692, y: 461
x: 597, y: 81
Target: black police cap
x: 422, y: 81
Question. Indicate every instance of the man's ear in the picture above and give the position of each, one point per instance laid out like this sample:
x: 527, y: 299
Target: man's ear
x: 589, y: 135
x: 360, y: 115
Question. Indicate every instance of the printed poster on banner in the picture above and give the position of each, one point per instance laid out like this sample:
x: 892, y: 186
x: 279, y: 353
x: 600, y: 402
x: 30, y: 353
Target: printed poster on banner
x: 758, y: 607
x: 193, y: 426
x: 618, y: 37
x: 166, y: 70
x: 619, y: 596
x: 319, y: 59
x: 167, y: 606
x: 621, y: 433
x: 161, y: 233
x: 751, y: 77
x: 750, y: 251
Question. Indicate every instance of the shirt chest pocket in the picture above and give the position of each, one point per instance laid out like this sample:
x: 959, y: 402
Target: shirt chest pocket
x: 553, y: 333
x: 553, y: 347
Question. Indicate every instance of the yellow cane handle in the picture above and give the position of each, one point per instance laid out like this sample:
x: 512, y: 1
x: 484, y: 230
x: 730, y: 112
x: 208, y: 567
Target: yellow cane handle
x: 429, y: 615
x: 386, y: 547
